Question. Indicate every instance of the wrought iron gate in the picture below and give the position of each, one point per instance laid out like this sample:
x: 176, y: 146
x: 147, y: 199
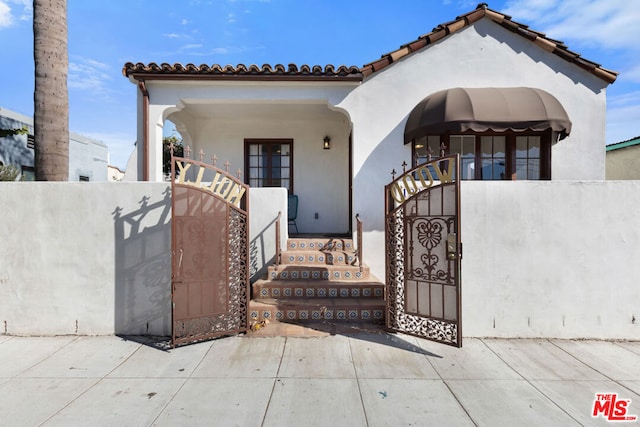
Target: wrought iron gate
x: 423, y: 251
x: 210, y: 266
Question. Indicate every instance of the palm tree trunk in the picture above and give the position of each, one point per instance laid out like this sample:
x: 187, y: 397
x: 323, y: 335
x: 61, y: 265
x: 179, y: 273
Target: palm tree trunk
x: 51, y: 97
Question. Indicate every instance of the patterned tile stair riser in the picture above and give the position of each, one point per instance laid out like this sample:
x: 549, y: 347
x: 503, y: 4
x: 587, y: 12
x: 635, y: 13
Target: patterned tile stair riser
x: 306, y: 272
x: 318, y: 280
x: 318, y: 258
x: 300, y: 289
x: 373, y: 314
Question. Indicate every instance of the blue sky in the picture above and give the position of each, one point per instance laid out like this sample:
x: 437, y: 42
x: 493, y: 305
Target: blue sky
x: 104, y: 35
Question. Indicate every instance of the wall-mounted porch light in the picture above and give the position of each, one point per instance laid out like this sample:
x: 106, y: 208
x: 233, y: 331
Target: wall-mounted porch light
x: 327, y: 143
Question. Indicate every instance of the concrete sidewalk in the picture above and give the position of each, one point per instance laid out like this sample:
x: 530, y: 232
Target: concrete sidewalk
x: 359, y: 379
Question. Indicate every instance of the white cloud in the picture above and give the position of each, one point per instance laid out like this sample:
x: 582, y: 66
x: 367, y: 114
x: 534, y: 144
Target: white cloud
x: 8, y: 15
x: 6, y: 18
x: 593, y: 27
x: 185, y: 21
x: 623, y: 116
x: 608, y: 24
x: 176, y: 36
x: 90, y: 76
x: 468, y: 4
x: 27, y: 9
x: 632, y: 74
x: 624, y: 100
x: 209, y: 52
x: 192, y: 46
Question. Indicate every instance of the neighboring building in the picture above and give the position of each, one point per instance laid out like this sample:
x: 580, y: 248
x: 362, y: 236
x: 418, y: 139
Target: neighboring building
x: 115, y: 174
x: 623, y: 159
x: 87, y: 157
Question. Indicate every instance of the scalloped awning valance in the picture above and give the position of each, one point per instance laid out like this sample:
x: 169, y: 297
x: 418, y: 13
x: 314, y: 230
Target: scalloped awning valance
x: 487, y: 109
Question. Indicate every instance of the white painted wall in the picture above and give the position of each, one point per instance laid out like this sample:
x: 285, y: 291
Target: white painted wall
x: 264, y: 205
x: 93, y: 258
x: 551, y: 259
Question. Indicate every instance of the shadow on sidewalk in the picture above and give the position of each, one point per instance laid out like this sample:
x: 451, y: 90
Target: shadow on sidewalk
x: 358, y: 330
x: 157, y: 342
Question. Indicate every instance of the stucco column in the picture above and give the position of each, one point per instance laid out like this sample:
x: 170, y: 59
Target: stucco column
x: 155, y: 127
x: 137, y: 174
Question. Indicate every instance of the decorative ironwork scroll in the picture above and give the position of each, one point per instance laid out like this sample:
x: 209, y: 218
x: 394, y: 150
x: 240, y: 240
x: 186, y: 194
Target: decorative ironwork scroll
x: 423, y: 251
x: 210, y: 265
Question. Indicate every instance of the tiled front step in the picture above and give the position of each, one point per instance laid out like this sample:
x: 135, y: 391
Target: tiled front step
x: 308, y: 272
x: 362, y: 309
x: 320, y: 244
x: 318, y: 258
x: 316, y: 289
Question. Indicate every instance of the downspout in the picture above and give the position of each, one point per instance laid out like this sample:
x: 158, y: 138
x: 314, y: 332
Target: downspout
x: 145, y: 129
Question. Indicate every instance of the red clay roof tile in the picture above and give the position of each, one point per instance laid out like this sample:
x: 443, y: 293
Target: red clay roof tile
x: 292, y: 71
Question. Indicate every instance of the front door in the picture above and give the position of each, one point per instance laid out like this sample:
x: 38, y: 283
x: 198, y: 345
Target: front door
x: 423, y: 251
x: 210, y: 265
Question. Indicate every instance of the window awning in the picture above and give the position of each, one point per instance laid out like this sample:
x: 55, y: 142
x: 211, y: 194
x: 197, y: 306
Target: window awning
x: 482, y: 109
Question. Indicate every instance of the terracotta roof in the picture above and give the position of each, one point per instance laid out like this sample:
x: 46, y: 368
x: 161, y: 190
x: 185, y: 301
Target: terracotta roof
x: 292, y: 71
x: 554, y: 46
x: 342, y: 72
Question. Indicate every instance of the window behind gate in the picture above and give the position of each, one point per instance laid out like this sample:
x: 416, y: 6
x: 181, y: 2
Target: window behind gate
x: 491, y: 156
x: 268, y: 163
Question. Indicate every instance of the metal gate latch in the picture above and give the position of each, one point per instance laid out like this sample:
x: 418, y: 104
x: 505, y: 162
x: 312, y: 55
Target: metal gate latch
x: 452, y: 252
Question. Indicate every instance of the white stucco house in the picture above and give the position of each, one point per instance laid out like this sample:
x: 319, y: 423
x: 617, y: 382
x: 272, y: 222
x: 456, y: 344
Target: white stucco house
x: 235, y: 112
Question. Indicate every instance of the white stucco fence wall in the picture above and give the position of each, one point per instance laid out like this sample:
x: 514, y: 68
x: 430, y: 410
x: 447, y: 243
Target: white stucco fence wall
x: 546, y: 259
x: 551, y: 259
x: 95, y: 258
x: 541, y: 259
x: 85, y: 258
x: 264, y: 205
